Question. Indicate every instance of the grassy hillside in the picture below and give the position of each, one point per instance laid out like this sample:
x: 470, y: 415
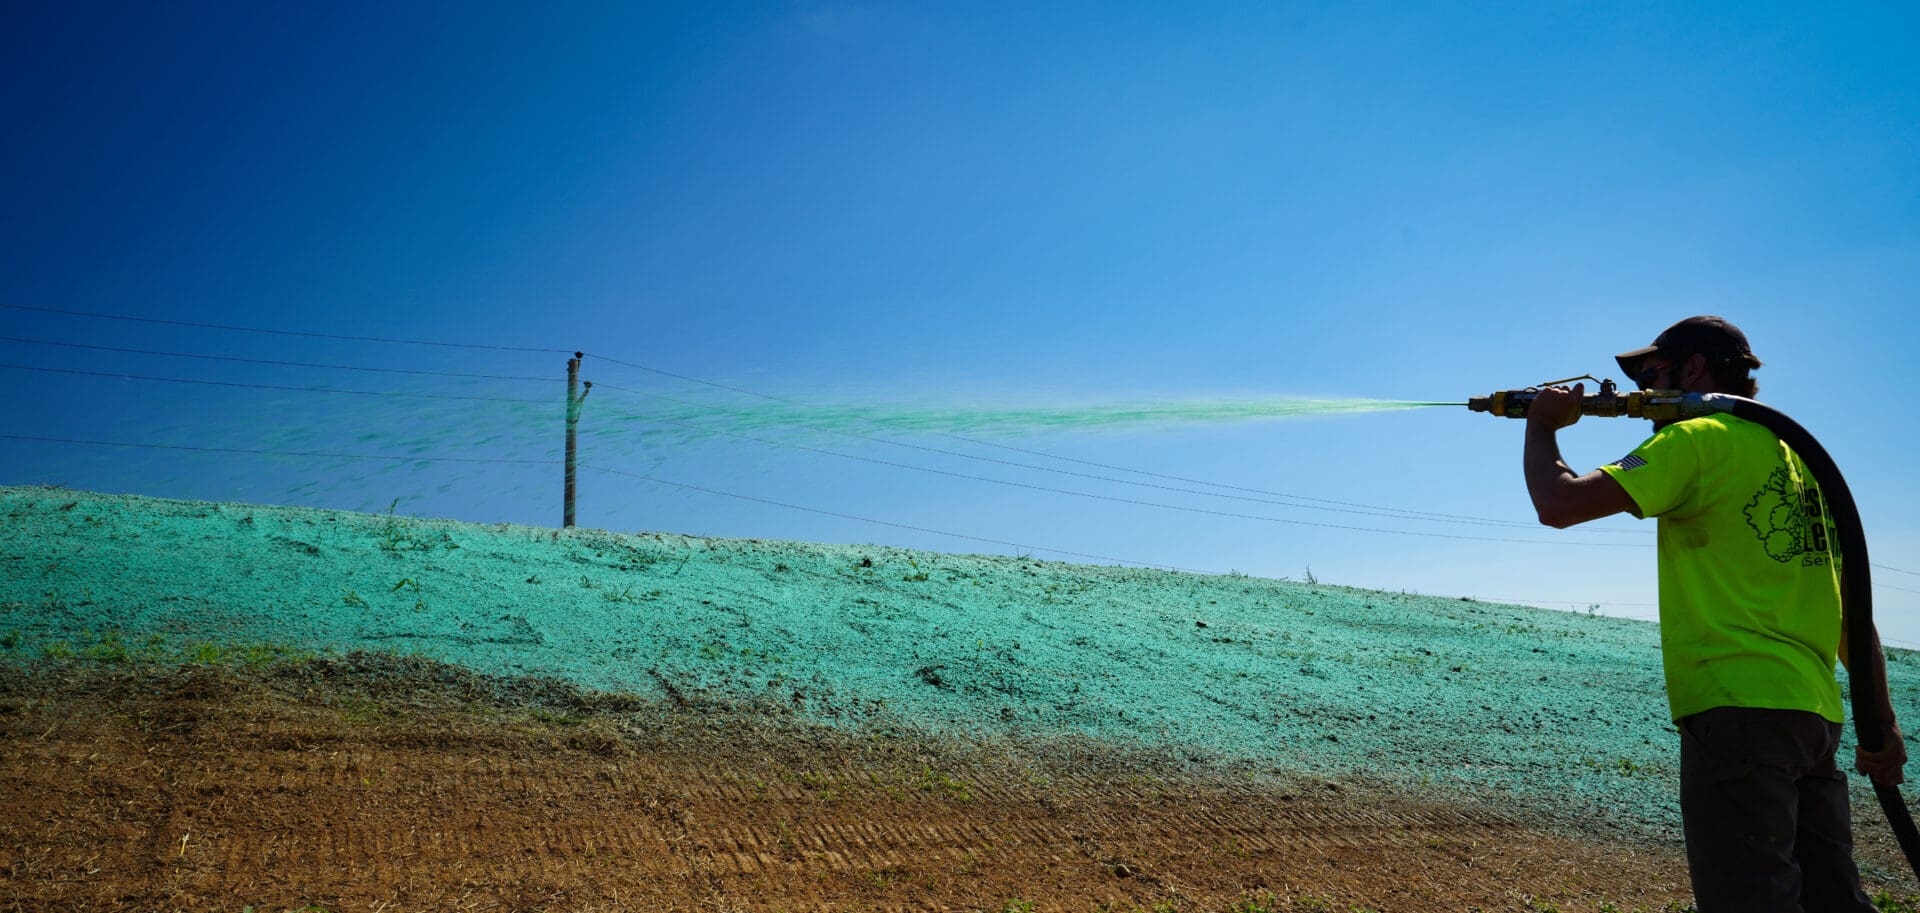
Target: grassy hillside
x: 1562, y: 712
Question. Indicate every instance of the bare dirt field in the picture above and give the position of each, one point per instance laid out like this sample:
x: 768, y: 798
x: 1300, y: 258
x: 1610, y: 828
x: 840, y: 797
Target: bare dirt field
x: 385, y: 784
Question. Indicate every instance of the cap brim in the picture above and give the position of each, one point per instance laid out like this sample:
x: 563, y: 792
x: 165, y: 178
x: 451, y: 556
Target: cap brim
x: 1631, y: 362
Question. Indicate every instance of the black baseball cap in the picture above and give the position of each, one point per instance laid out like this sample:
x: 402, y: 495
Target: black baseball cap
x: 1713, y: 337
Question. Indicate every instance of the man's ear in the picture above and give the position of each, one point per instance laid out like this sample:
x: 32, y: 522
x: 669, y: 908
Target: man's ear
x: 1693, y: 372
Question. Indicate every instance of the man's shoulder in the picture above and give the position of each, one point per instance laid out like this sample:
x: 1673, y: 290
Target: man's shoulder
x: 1715, y: 431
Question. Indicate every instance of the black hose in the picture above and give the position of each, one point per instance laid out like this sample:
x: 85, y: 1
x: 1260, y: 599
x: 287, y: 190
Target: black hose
x: 1856, y: 597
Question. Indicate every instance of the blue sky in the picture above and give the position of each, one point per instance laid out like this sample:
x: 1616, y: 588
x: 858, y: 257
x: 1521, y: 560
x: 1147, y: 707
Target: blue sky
x: 972, y: 205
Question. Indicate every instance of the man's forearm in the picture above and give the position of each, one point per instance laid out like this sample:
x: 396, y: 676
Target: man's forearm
x: 1547, y: 474
x: 1874, y: 673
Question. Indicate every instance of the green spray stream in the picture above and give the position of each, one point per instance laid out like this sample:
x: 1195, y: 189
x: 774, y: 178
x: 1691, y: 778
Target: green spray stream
x: 1002, y: 420
x: 395, y: 442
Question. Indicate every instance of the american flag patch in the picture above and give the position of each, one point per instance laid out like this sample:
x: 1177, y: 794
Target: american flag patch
x: 1632, y: 461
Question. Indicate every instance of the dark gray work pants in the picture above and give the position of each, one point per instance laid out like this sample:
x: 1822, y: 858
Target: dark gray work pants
x: 1765, y: 812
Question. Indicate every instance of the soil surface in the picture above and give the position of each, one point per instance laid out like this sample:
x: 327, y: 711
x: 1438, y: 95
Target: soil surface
x: 377, y: 783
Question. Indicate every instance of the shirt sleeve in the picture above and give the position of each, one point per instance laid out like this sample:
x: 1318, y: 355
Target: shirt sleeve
x: 1661, y: 473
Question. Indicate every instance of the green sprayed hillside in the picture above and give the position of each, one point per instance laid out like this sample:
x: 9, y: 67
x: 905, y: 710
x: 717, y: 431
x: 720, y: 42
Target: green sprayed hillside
x: 1562, y: 712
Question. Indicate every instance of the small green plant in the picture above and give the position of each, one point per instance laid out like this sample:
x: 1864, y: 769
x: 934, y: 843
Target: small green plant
x: 362, y: 710
x: 393, y: 536
x: 349, y: 597
x: 59, y: 649
x: 1016, y: 905
x: 552, y: 718
x: 918, y: 575
x: 625, y: 594
x: 108, y: 649
x: 1263, y: 902
x: 935, y: 781
x: 408, y: 583
x: 210, y: 653
x: 1887, y: 903
x: 11, y: 640
x: 1310, y: 578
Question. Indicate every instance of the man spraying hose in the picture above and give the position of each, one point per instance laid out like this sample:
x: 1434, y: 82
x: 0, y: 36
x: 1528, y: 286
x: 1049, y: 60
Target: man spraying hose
x: 1750, y: 626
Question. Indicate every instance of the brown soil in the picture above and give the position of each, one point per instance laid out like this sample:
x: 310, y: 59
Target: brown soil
x: 386, y: 785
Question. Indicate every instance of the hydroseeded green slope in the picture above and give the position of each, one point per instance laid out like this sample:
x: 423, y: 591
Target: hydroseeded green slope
x: 1563, y: 712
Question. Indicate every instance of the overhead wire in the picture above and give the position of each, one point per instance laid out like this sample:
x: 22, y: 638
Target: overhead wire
x: 1391, y: 513
x: 669, y: 374
x: 1135, y: 501
x: 299, y: 453
x: 241, y: 329
x: 224, y: 383
x: 921, y: 529
x: 1328, y: 504
x: 641, y: 367
x: 555, y: 462
x: 984, y: 443
x: 268, y: 361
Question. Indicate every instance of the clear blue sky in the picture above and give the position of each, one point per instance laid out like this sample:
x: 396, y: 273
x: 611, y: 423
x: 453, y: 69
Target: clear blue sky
x: 982, y: 205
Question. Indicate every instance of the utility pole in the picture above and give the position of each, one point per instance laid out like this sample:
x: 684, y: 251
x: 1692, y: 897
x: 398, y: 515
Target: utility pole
x: 573, y: 421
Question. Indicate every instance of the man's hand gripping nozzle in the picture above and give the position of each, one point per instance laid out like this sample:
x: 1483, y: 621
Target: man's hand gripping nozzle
x: 1609, y: 402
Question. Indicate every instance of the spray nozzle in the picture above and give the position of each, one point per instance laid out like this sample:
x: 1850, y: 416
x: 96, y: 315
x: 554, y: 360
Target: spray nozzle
x: 1514, y: 403
x: 1608, y: 401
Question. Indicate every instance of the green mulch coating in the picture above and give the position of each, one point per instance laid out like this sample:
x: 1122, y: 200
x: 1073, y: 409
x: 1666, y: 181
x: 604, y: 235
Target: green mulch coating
x: 1563, y: 714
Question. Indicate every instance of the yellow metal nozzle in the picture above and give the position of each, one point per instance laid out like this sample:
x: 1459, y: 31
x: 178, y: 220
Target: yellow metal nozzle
x: 1609, y: 402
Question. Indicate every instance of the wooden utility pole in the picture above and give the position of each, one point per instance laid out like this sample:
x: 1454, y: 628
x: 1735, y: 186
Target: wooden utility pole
x: 573, y: 421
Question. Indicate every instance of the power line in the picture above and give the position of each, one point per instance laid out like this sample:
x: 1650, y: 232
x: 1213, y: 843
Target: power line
x: 1383, y: 512
x: 920, y: 529
x: 222, y: 383
x: 1135, y: 501
x: 416, y: 459
x: 219, y: 326
x: 690, y: 379
x: 1392, y: 513
x: 1897, y: 570
x: 266, y: 361
x: 1039, y: 453
x: 299, y: 453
